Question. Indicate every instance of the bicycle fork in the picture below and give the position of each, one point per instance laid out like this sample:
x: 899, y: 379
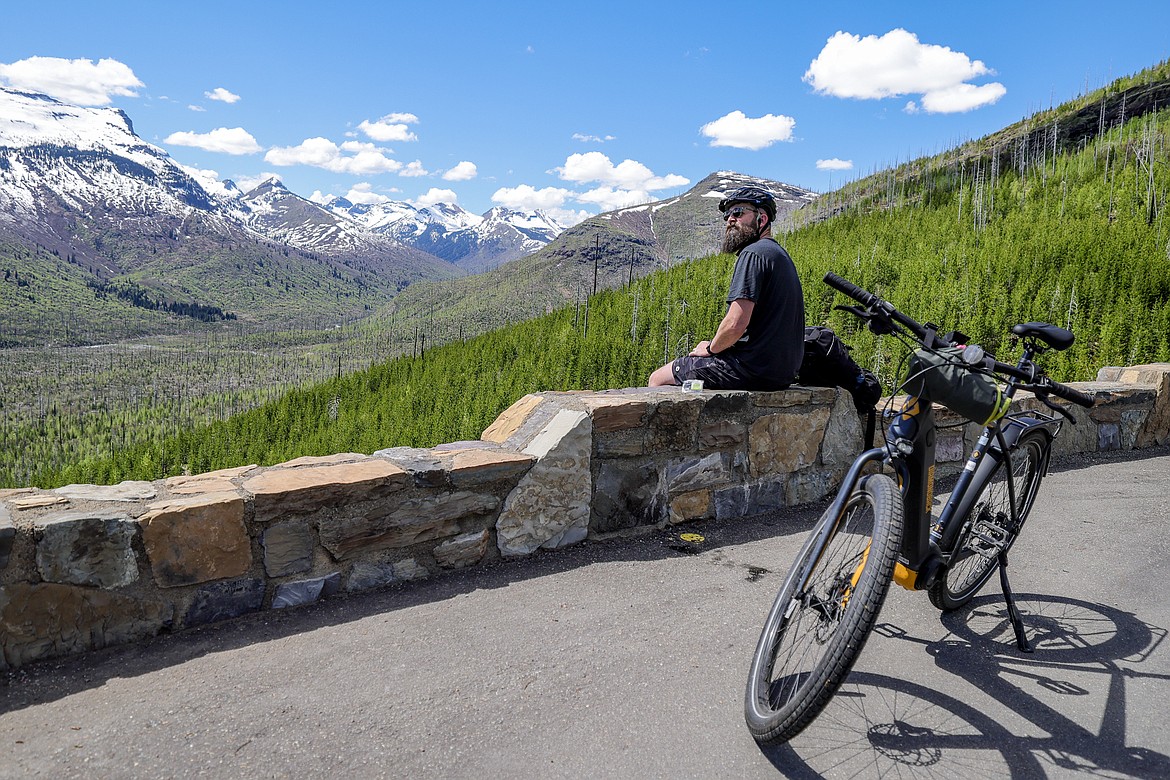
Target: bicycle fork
x: 819, y: 539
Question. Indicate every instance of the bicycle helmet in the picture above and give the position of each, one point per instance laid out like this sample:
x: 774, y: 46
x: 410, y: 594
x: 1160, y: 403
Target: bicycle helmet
x: 756, y: 196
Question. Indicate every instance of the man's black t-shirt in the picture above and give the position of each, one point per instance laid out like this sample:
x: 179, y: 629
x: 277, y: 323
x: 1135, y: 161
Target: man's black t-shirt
x: 771, y: 349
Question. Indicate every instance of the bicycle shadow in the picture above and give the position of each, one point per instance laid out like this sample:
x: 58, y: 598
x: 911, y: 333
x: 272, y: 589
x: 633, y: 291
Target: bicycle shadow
x: 880, y: 726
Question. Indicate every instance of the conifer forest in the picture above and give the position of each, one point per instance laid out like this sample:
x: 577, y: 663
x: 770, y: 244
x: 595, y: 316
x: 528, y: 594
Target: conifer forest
x: 1037, y: 224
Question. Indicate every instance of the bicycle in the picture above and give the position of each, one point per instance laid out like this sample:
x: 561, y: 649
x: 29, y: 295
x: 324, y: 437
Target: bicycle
x: 878, y: 531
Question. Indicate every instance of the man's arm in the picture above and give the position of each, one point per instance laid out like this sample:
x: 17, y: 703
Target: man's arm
x: 730, y: 330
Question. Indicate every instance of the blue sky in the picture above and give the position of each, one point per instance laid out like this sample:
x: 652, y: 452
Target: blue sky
x: 573, y: 108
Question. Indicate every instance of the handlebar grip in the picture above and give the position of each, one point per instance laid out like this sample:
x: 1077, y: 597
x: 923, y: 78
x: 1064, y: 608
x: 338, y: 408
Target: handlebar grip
x: 1070, y: 394
x: 869, y: 300
x: 849, y: 288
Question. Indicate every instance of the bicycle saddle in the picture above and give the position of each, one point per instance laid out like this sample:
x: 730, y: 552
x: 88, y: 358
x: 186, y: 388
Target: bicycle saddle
x: 1057, y: 338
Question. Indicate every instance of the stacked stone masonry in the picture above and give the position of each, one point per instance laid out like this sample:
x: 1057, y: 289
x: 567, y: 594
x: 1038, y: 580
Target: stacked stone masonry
x: 87, y: 566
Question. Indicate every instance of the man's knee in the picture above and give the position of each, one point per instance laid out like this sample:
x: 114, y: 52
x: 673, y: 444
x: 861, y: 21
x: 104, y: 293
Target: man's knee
x: 662, y: 376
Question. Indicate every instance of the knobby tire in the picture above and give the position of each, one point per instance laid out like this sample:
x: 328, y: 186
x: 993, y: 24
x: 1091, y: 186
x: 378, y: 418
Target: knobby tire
x: 817, y: 627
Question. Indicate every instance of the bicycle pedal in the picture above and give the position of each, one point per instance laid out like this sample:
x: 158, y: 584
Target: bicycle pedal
x: 987, y: 539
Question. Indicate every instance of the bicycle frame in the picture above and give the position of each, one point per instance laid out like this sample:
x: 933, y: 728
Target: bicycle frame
x: 927, y: 543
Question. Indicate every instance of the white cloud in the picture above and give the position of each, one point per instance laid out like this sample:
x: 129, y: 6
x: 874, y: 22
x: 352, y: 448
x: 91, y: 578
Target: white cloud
x: 323, y: 153
x: 897, y: 64
x: 361, y: 146
x: 609, y: 198
x: 435, y: 195
x: 627, y: 175
x: 414, y: 169
x: 319, y: 152
x: 198, y: 173
x: 392, y: 127
x: 568, y: 217
x: 740, y: 131
x: 834, y: 164
x: 593, y: 138
x: 233, y: 140
x: 83, y: 82
x: 962, y: 97
x: 363, y: 192
x: 196, y: 108
x: 527, y: 198
x: 628, y: 183
x: 464, y: 171
x: 222, y: 95
x: 320, y: 198
x: 207, y: 178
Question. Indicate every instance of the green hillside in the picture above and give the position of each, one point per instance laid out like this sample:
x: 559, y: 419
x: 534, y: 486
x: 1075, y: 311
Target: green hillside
x: 1016, y: 227
x: 601, y: 253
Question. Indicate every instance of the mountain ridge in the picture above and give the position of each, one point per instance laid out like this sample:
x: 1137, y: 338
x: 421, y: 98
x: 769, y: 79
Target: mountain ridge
x: 602, y: 252
x: 79, y: 184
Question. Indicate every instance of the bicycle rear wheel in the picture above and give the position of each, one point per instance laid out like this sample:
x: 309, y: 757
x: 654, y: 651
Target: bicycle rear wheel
x: 819, y: 623
x: 988, y: 527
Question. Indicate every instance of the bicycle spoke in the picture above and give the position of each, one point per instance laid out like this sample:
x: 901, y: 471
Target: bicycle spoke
x: 804, y: 652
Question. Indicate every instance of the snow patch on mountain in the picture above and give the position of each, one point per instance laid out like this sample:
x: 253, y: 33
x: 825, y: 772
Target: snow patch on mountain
x: 89, y: 161
x: 85, y: 158
x: 449, y: 231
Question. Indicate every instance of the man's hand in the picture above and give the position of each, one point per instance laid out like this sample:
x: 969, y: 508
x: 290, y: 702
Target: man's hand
x: 702, y: 349
x: 734, y: 323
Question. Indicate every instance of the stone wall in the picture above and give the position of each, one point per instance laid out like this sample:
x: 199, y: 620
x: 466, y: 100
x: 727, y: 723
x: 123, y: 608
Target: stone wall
x: 87, y: 566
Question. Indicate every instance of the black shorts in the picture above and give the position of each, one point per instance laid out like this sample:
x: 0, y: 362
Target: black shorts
x: 716, y: 372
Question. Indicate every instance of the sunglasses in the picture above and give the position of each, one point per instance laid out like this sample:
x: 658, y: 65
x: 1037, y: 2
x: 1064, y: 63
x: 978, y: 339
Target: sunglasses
x: 737, y: 212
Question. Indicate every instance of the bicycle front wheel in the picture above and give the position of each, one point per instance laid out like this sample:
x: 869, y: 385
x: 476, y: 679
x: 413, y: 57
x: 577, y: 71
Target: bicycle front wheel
x: 819, y: 622
x: 989, y: 527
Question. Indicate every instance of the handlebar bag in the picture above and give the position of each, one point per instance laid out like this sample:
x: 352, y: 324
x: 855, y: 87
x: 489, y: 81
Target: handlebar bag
x: 942, y: 377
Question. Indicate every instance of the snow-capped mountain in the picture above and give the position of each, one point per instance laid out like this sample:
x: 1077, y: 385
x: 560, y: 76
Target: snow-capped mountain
x: 59, y: 158
x: 93, y: 218
x: 280, y: 214
x: 61, y: 163
x: 473, y: 242
x: 684, y: 226
x: 706, y: 195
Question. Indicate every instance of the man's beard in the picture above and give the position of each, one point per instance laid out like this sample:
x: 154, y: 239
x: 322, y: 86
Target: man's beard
x: 737, y: 236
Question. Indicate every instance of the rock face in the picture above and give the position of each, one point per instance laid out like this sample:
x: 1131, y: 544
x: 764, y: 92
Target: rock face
x: 89, y: 566
x: 310, y: 484
x: 87, y: 548
x: 381, y: 526
x: 288, y: 548
x: 550, y: 505
x: 224, y: 600
x: 7, y: 536
x: 195, y: 539
x: 47, y: 619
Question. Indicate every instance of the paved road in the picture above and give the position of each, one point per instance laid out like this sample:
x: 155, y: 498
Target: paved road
x: 627, y: 659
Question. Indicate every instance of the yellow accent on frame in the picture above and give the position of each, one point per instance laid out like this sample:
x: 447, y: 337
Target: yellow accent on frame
x: 929, y: 491
x: 905, y: 577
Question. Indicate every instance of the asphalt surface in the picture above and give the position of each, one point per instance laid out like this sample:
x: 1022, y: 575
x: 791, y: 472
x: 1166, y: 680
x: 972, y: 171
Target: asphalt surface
x: 627, y: 659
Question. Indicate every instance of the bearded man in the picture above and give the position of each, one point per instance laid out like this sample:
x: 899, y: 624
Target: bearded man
x: 760, y: 342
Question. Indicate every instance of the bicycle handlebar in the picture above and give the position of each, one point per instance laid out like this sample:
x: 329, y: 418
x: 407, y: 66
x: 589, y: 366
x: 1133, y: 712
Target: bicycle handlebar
x: 870, y: 300
x: 841, y: 284
x: 1041, y: 384
x: 1068, y: 393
